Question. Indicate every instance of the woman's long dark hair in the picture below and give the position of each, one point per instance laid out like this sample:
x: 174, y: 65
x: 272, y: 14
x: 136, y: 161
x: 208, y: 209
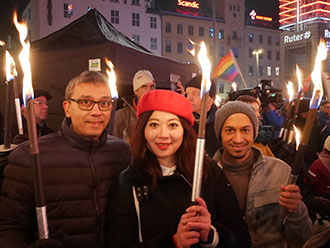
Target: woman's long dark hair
x: 144, y: 159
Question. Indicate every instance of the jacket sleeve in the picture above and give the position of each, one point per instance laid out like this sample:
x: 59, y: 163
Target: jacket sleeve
x: 298, y: 227
x: 226, y: 215
x: 17, y: 212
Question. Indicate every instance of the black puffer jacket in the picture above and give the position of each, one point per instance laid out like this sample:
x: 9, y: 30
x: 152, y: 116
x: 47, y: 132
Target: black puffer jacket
x: 161, y: 210
x: 78, y: 177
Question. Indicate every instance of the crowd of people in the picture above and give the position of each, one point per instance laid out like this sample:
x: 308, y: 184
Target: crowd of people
x: 133, y: 188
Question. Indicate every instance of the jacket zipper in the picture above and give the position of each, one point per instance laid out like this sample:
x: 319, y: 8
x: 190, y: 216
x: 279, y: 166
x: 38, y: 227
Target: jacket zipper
x: 97, y: 207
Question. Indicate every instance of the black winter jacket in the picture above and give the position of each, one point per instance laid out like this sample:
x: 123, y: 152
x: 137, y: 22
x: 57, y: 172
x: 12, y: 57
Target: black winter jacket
x: 78, y: 177
x: 162, y: 207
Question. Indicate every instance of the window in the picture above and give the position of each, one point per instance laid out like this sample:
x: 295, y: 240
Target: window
x: 230, y: 7
x: 180, y: 47
x: 190, y: 45
x: 250, y: 37
x: 261, y: 39
x: 167, y: 27
x: 136, y: 2
x: 261, y: 70
x: 250, y: 53
x: 153, y: 22
x: 168, y: 46
x: 234, y: 35
x: 221, y: 34
x: 179, y: 29
x: 222, y: 51
x: 238, y: 8
x: 136, y: 38
x: 221, y: 88
x: 115, y: 1
x: 135, y: 19
x: 190, y: 30
x: 250, y: 70
x: 235, y: 51
x: 153, y: 43
x: 269, y: 71
x: 114, y: 16
x: 201, y: 31
x: 269, y: 40
x: 234, y: 7
x: 277, y: 71
x: 68, y: 10
x: 210, y: 32
x: 277, y: 55
x: 269, y: 54
x: 277, y: 41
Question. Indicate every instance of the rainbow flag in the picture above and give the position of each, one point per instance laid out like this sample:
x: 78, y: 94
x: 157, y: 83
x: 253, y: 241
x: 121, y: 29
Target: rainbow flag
x: 226, y: 68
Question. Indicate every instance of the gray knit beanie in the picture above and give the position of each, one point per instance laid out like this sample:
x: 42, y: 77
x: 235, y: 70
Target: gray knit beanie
x: 234, y: 107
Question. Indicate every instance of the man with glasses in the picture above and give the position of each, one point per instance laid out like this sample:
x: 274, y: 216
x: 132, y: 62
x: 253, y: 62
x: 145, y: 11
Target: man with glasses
x: 79, y: 165
x: 41, y: 98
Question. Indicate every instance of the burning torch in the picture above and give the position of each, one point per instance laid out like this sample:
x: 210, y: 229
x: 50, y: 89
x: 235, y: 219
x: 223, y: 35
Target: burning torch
x: 286, y: 124
x: 313, y: 108
x: 199, y: 155
x: 32, y: 131
x: 114, y: 93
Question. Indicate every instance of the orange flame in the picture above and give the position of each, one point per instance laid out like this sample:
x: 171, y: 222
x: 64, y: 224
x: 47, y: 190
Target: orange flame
x: 2, y: 43
x: 299, y: 77
x: 289, y: 87
x: 24, y: 58
x: 298, y: 135
x: 206, y: 69
x: 112, y: 79
x: 10, y: 67
x: 217, y: 101
x: 317, y: 75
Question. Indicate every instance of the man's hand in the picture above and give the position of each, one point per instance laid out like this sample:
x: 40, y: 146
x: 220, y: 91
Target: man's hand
x: 180, y: 88
x: 290, y: 197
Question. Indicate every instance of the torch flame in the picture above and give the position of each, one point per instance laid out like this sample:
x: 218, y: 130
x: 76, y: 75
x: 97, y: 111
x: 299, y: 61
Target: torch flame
x: 206, y: 69
x: 297, y: 136
x: 289, y: 87
x: 111, y: 79
x: 24, y: 58
x: 217, y: 101
x: 317, y: 76
x: 234, y: 86
x: 299, y: 77
x: 10, y: 67
x: 2, y: 43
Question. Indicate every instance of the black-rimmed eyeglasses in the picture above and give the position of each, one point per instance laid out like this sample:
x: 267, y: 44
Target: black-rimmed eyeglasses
x: 86, y: 104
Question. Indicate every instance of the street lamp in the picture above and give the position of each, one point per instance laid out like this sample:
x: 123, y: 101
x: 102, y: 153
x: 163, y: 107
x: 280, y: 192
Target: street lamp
x: 256, y: 53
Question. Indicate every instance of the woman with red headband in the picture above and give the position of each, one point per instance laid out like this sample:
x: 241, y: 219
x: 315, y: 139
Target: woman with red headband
x: 152, y: 207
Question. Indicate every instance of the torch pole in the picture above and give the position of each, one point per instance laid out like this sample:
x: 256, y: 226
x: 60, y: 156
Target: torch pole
x: 37, y: 177
x: 299, y: 156
x: 18, y: 108
x: 286, y: 123
x: 199, y: 155
x: 7, y: 130
x: 112, y: 116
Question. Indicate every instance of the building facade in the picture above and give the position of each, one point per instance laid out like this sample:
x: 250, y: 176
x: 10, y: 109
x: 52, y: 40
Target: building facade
x: 128, y: 16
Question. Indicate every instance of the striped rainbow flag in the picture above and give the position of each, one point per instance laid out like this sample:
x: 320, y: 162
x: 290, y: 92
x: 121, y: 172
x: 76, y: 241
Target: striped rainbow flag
x: 226, y: 68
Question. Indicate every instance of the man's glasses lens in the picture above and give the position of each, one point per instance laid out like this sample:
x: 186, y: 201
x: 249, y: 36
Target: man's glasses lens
x: 84, y: 104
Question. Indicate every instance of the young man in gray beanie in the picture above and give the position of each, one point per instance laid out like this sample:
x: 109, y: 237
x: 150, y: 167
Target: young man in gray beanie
x: 258, y: 181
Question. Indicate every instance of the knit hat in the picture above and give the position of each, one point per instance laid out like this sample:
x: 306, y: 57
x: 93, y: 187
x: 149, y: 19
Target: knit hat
x: 37, y: 93
x: 195, y: 82
x: 234, y: 107
x: 326, y: 145
x: 142, y: 77
x: 168, y: 101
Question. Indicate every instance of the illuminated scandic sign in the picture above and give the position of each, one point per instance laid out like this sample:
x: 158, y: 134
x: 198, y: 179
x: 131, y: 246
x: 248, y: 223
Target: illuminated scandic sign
x: 193, y: 4
x: 297, y: 37
x: 254, y: 16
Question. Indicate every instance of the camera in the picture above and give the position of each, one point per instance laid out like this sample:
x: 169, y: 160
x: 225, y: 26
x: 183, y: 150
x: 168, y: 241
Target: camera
x: 267, y: 93
x: 174, y: 79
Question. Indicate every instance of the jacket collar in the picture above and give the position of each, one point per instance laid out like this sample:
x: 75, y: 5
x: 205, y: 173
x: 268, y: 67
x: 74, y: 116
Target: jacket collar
x: 79, y: 142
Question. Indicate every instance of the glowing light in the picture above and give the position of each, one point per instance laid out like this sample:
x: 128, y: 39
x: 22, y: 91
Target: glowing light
x: 10, y: 67
x: 217, y: 101
x: 2, y: 43
x: 317, y: 76
x: 206, y: 69
x: 24, y: 58
x: 299, y: 77
x: 193, y: 4
x: 112, y: 79
x: 298, y: 135
x: 289, y: 87
x: 234, y: 86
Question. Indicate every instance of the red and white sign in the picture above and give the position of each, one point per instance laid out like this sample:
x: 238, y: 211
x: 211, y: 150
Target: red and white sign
x: 193, y: 4
x: 254, y: 16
